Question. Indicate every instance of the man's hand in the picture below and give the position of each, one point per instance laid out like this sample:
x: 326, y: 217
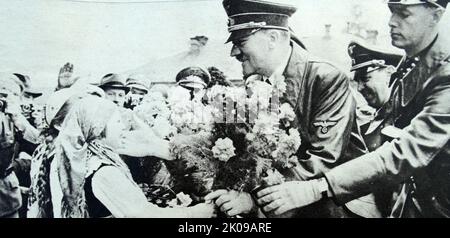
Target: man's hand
x: 65, y: 75
x: 287, y: 196
x: 66, y: 71
x: 202, y: 210
x: 19, y: 120
x: 143, y: 143
x: 232, y: 202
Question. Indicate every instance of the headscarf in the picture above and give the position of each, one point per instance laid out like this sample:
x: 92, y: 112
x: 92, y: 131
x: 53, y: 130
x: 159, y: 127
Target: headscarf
x: 40, y: 203
x: 79, y: 140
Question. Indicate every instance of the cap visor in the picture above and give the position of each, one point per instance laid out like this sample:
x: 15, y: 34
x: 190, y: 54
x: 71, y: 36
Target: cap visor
x: 34, y: 94
x: 236, y: 35
x: 193, y: 85
x: 139, y: 87
x: 104, y: 87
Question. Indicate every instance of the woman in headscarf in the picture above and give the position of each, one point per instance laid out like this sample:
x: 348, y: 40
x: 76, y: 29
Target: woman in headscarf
x: 45, y: 193
x: 95, y: 181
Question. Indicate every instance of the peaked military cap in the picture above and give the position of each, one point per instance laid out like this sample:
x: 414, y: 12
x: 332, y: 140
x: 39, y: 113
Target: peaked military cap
x: 138, y: 81
x: 438, y: 3
x: 248, y: 16
x: 193, y: 77
x: 365, y: 57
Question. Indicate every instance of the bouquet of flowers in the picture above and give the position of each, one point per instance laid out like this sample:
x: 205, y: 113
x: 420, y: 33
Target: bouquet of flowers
x: 187, y: 124
x: 266, y: 141
x: 240, y: 140
x: 154, y: 110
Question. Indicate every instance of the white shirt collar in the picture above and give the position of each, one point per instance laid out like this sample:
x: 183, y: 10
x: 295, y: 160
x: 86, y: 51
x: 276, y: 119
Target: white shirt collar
x: 280, y: 69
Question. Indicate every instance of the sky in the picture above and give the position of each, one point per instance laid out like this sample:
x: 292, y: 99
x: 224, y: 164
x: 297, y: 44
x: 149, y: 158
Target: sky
x: 39, y: 36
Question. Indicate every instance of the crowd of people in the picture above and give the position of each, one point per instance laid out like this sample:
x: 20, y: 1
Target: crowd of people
x: 104, y: 150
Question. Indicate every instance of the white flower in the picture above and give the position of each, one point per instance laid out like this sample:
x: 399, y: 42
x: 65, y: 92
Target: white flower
x: 154, y: 96
x: 177, y: 95
x: 286, y: 112
x: 273, y: 178
x: 216, y: 90
x: 149, y: 109
x: 279, y: 84
x: 236, y: 94
x: 223, y: 149
x: 266, y: 124
x: 261, y: 93
x: 288, y: 145
x: 163, y: 128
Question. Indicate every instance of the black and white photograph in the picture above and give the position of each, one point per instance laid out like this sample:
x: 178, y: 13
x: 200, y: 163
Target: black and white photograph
x: 224, y: 109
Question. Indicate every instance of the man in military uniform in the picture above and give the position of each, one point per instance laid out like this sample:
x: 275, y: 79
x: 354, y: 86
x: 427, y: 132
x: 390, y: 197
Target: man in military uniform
x: 373, y: 70
x: 417, y: 159
x: 138, y: 85
x: 318, y: 92
x: 10, y: 195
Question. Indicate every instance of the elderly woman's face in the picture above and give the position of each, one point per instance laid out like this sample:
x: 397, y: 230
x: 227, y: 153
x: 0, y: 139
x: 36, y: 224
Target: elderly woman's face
x: 114, y: 129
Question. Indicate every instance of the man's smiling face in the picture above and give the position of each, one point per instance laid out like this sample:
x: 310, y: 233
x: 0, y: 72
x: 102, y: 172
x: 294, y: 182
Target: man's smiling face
x: 252, y: 52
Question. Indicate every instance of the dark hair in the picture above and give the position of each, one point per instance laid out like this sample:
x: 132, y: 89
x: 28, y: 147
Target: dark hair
x: 193, y: 71
x: 218, y: 77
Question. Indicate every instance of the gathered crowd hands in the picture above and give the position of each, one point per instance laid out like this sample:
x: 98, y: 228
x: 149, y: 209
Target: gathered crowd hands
x: 291, y: 142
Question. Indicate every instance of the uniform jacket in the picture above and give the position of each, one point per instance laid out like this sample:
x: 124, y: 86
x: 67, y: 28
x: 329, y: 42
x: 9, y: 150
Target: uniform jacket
x: 325, y: 117
x: 325, y: 112
x: 418, y: 156
x: 10, y: 197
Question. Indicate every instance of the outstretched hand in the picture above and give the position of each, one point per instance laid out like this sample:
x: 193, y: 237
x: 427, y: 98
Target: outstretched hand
x: 202, y: 210
x: 67, y: 69
x: 232, y: 202
x: 143, y: 143
x: 282, y: 198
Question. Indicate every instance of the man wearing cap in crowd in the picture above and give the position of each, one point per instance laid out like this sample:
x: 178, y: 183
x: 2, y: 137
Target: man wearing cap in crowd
x: 27, y: 101
x: 373, y: 68
x: 138, y: 86
x: 194, y: 79
x: 319, y: 92
x: 419, y: 119
x: 197, y: 43
x: 115, y: 88
x: 11, y: 90
x: 29, y: 142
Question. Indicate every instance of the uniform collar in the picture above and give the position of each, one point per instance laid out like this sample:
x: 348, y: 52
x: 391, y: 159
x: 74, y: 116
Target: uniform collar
x: 280, y: 69
x: 431, y: 57
x: 378, y: 119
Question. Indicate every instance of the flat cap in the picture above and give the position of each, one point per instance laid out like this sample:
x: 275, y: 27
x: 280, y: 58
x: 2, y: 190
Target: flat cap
x: 28, y: 89
x: 114, y: 81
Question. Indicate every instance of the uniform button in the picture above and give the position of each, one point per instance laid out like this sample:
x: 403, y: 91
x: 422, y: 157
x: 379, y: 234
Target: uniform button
x: 413, y: 65
x: 416, y: 59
